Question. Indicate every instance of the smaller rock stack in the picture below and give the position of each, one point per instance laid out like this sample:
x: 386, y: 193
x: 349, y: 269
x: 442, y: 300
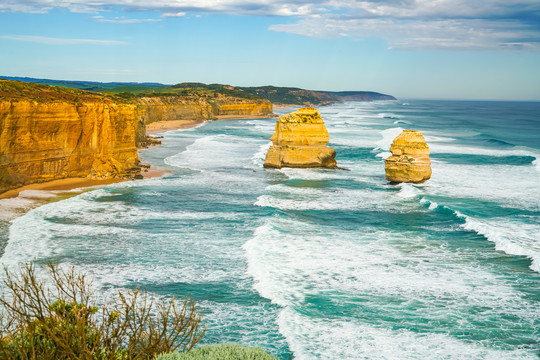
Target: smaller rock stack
x: 300, y: 142
x: 410, y: 159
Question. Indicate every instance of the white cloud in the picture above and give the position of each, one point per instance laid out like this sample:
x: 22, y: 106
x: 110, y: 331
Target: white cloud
x: 123, y: 20
x: 174, y: 14
x: 61, y: 41
x: 404, y: 24
x: 405, y: 34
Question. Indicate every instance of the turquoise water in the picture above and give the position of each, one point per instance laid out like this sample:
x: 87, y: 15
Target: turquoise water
x: 328, y: 264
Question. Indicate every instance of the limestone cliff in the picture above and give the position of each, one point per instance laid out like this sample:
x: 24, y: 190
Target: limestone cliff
x: 49, y: 132
x: 163, y: 108
x: 410, y: 159
x: 54, y: 140
x: 166, y: 108
x: 300, y: 141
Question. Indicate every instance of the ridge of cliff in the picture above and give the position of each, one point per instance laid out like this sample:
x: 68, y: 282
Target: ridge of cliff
x: 300, y: 141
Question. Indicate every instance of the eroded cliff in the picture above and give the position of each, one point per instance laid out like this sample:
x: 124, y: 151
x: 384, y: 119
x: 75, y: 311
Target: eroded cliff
x: 410, y: 160
x: 300, y: 141
x: 164, y: 108
x: 49, y: 132
x: 54, y: 140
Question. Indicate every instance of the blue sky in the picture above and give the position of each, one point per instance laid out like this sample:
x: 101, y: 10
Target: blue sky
x: 431, y: 49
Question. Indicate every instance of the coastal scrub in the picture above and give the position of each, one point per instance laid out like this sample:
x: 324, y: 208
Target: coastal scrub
x: 58, y: 317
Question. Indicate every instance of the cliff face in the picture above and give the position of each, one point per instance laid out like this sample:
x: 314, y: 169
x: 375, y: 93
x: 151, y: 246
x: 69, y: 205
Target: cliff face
x: 410, y: 159
x: 300, y: 141
x: 163, y: 108
x: 41, y: 141
x: 49, y: 133
x: 166, y: 108
x: 245, y: 109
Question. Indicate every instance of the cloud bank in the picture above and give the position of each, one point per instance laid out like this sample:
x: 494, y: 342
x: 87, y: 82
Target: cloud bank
x: 403, y: 24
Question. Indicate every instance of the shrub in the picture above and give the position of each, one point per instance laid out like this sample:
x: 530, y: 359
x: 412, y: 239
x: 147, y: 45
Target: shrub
x: 58, y: 318
x: 220, y: 352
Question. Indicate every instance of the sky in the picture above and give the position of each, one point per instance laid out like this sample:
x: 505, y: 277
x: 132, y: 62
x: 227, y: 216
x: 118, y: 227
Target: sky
x: 412, y: 49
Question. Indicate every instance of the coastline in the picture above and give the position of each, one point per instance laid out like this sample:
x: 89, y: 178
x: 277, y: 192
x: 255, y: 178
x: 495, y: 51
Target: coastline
x: 16, y: 202
x: 73, y: 184
x: 168, y: 125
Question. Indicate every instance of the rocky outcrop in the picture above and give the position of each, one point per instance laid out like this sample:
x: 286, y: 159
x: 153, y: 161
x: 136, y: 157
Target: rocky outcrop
x: 41, y: 141
x: 410, y: 159
x: 300, y: 141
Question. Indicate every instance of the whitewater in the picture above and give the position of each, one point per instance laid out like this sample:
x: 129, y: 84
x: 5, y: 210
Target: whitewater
x: 327, y: 264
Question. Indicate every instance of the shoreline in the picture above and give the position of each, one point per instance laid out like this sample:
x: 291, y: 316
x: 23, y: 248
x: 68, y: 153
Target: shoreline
x: 158, y: 127
x: 72, y: 184
x: 164, y: 126
x: 17, y: 202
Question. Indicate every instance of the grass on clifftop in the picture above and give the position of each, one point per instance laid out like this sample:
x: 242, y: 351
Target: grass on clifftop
x: 18, y: 90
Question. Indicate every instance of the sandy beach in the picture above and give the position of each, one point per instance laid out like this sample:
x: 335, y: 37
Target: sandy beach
x: 17, y: 202
x: 161, y: 126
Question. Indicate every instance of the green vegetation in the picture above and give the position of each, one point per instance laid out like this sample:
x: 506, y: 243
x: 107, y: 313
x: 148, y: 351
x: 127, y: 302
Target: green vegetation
x: 291, y: 96
x: 183, y: 90
x: 296, y: 96
x: 220, y: 352
x: 18, y: 90
x: 58, y: 317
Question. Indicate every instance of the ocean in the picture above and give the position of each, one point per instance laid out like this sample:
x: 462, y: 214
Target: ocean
x: 327, y: 264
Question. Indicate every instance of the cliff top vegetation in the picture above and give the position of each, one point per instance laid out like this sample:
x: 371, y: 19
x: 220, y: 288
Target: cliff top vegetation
x: 18, y: 90
x: 127, y: 93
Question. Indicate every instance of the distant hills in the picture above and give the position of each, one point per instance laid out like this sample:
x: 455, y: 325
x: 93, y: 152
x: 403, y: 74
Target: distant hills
x: 288, y: 95
x: 276, y: 95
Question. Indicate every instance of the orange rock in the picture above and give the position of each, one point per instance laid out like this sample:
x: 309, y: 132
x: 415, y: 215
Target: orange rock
x: 410, y: 159
x: 41, y: 141
x: 300, y: 141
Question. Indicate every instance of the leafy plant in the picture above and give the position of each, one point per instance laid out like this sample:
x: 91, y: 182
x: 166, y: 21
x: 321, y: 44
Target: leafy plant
x: 58, y: 317
x: 220, y: 352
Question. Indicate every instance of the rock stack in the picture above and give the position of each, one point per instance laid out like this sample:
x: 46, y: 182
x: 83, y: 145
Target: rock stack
x: 300, y: 141
x: 410, y: 159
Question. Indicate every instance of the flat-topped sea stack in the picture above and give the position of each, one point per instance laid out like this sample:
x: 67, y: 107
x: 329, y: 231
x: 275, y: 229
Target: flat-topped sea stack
x: 410, y: 159
x: 300, y: 142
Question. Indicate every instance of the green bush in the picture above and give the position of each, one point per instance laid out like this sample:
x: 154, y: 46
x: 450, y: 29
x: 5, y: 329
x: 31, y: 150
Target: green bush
x: 220, y: 352
x: 58, y: 318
